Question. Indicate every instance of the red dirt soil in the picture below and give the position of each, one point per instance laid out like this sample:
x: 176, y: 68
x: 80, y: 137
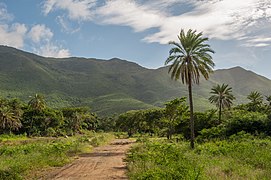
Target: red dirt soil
x: 105, y: 162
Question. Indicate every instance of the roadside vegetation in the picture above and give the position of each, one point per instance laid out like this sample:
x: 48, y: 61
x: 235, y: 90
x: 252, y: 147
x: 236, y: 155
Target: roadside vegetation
x: 26, y: 158
x: 242, y: 156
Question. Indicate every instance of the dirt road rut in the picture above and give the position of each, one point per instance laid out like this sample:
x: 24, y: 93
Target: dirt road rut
x: 104, y: 163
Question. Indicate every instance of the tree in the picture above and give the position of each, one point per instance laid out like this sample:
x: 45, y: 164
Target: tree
x: 8, y: 120
x: 268, y: 98
x: 222, y: 97
x: 256, y: 100
x: 37, y: 102
x: 190, y: 58
x: 78, y: 118
x: 173, y: 111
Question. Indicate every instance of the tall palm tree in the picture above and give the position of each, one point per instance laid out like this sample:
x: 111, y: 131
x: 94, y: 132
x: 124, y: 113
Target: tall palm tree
x: 222, y: 97
x: 190, y: 57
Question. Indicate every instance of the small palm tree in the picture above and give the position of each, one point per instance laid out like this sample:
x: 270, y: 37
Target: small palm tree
x: 268, y: 98
x: 256, y: 100
x: 37, y: 102
x: 190, y: 58
x: 8, y: 121
x: 222, y: 97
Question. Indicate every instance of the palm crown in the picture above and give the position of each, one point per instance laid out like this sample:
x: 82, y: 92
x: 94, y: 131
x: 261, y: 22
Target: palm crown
x: 222, y: 96
x: 190, y: 58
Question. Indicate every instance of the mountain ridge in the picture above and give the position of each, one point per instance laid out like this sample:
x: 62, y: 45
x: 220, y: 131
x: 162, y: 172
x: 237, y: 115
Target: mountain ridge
x: 110, y: 86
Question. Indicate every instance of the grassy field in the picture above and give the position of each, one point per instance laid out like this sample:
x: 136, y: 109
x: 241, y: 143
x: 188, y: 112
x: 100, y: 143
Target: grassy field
x: 236, y: 158
x: 25, y: 158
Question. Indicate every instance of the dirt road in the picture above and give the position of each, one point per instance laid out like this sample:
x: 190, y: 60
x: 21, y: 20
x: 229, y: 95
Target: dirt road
x: 105, y: 162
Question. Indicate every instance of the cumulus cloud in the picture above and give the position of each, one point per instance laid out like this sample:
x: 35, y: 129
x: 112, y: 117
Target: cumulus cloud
x: 13, y: 35
x: 51, y: 50
x: 43, y: 45
x: 76, y: 9
x: 40, y: 33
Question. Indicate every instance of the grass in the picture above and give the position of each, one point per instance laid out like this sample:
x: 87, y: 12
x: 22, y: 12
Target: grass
x: 26, y: 159
x: 228, y: 159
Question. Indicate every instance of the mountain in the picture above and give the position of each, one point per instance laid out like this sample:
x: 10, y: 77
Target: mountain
x: 109, y: 86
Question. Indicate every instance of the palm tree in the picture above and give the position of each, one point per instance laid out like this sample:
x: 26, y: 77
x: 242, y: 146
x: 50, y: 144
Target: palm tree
x: 190, y: 58
x: 222, y: 97
x: 37, y: 102
x: 268, y: 98
x: 8, y: 120
x: 256, y: 99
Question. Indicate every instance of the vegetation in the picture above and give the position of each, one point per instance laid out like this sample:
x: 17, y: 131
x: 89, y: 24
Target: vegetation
x: 25, y: 158
x: 242, y: 156
x: 190, y: 58
x: 110, y: 86
x: 45, y: 131
x: 222, y: 97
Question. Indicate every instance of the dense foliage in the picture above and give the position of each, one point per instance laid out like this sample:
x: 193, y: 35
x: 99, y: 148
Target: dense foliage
x: 253, y: 117
x: 37, y: 119
x: 242, y: 156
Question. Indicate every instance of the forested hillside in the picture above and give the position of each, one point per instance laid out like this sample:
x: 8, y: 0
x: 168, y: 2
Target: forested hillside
x: 109, y: 86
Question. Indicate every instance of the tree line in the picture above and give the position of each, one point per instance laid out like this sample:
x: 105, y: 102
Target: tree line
x: 36, y: 119
x: 253, y: 117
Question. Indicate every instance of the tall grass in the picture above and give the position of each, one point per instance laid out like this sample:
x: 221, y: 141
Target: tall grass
x: 21, y: 161
x: 236, y: 158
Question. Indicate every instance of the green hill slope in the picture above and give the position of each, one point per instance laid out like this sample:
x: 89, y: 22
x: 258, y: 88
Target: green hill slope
x: 109, y: 86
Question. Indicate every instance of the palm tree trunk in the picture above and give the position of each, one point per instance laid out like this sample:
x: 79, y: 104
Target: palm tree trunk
x: 220, y: 110
x: 192, y: 126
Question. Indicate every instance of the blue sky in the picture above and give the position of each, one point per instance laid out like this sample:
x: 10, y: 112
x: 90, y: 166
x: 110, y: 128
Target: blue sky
x: 139, y: 30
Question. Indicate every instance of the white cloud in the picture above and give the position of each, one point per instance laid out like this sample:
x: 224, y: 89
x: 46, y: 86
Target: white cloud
x: 38, y: 37
x: 66, y: 25
x: 76, y: 9
x: 220, y: 19
x: 129, y: 13
x: 51, y: 50
x: 43, y: 45
x: 257, y: 41
x: 13, y: 35
x: 40, y: 33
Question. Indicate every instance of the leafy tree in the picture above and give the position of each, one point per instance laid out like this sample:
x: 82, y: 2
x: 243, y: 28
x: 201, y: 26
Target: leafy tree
x: 79, y: 118
x: 128, y: 122
x: 256, y: 100
x: 36, y: 122
x: 108, y: 123
x: 173, y: 112
x: 222, y: 97
x: 190, y: 58
x: 143, y: 121
x: 250, y: 122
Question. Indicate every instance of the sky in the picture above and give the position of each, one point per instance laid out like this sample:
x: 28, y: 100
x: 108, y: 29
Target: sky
x: 239, y: 31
